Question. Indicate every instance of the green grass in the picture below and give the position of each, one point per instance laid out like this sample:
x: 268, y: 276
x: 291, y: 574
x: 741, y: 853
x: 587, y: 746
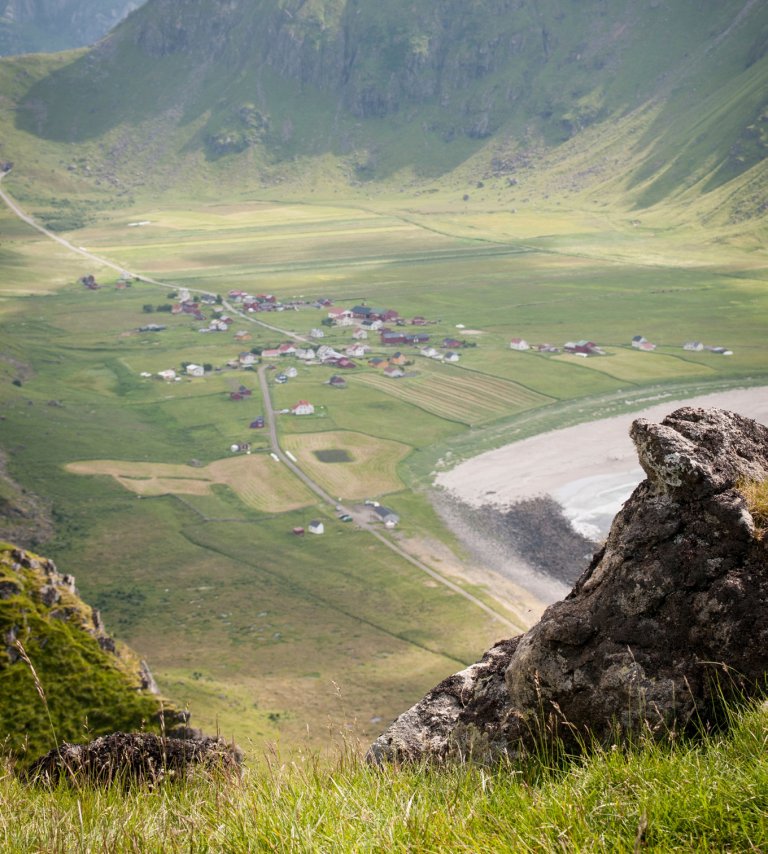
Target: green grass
x: 338, y: 606
x: 708, y: 796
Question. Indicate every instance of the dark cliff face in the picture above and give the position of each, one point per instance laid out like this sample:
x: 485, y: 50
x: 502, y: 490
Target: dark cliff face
x: 31, y: 26
x: 670, y: 619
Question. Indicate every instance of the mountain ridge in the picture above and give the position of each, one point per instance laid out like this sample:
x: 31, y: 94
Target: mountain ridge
x: 272, y: 90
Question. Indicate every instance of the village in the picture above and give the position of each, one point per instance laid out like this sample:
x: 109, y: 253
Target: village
x: 346, y: 339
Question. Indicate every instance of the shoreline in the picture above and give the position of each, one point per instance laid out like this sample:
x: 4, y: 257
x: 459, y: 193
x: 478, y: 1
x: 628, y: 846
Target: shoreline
x: 589, y: 469
x: 557, y: 459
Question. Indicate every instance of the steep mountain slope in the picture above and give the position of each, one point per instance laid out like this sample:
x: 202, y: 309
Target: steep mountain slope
x: 676, y: 90
x: 30, y: 26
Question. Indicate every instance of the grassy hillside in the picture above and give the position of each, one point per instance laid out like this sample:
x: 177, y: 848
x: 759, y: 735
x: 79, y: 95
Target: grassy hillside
x: 691, y: 797
x: 61, y: 676
x: 646, y: 105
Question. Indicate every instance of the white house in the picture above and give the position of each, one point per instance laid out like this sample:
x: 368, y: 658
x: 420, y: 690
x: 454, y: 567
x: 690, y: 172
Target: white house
x: 316, y: 527
x: 357, y: 351
x: 393, y: 372
x: 246, y: 359
x: 519, y: 344
x: 291, y: 372
x: 168, y: 375
x: 451, y: 357
x: 697, y: 346
x: 325, y: 352
x: 195, y: 371
x: 316, y: 333
x: 303, y: 407
x: 360, y: 334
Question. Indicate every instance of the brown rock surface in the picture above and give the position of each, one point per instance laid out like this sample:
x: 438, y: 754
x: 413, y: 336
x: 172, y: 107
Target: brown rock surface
x: 668, y: 622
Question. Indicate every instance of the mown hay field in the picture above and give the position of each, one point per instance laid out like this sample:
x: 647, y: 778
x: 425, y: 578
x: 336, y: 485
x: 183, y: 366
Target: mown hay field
x: 258, y: 480
x: 371, y: 470
x: 464, y: 396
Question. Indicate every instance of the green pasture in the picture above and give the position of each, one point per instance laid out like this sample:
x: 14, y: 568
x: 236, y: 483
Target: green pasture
x: 251, y: 625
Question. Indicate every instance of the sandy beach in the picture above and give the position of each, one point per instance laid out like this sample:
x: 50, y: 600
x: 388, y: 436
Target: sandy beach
x: 590, y: 469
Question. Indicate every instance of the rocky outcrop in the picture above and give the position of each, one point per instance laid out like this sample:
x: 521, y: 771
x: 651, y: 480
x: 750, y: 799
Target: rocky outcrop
x: 55, y: 651
x: 669, y: 621
x: 133, y: 757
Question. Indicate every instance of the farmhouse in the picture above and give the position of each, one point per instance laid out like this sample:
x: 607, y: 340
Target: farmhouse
x: 357, y: 351
x: 372, y: 325
x: 451, y: 357
x: 638, y: 340
x: 387, y: 516
x: 519, y: 344
x: 393, y: 372
x: 195, y: 371
x: 291, y: 372
x: 696, y: 346
x: 360, y: 334
x: 287, y: 349
x: 316, y: 333
x: 326, y: 353
x: 270, y: 353
x: 398, y: 359
x: 246, y: 359
x: 452, y: 343
x: 316, y: 527
x: 583, y: 348
x: 303, y: 407
x: 337, y: 382
x: 344, y: 362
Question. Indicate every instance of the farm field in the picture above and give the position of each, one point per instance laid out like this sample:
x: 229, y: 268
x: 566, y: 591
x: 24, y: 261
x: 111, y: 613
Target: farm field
x: 250, y: 624
x: 458, y: 395
x: 256, y: 479
x: 350, y: 465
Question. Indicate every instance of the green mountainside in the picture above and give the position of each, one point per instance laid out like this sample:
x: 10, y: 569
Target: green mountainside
x: 31, y: 26
x: 646, y: 103
x: 62, y: 678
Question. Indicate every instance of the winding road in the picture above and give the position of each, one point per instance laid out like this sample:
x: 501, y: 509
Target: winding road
x: 359, y: 518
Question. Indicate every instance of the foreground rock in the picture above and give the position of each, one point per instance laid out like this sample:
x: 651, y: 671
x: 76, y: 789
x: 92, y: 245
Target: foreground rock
x: 133, y: 757
x: 669, y: 621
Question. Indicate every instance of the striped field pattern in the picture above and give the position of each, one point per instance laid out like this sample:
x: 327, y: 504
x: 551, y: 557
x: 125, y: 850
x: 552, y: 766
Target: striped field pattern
x: 458, y: 395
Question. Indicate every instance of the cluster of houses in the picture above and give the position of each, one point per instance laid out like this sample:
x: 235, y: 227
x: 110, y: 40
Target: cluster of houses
x: 521, y: 344
x: 269, y: 302
x: 698, y: 347
x: 589, y: 348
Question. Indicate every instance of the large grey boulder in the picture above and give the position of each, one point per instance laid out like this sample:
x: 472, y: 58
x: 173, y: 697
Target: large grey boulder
x: 668, y: 622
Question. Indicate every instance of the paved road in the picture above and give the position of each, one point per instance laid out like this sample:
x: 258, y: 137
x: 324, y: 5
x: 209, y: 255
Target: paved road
x: 359, y: 518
